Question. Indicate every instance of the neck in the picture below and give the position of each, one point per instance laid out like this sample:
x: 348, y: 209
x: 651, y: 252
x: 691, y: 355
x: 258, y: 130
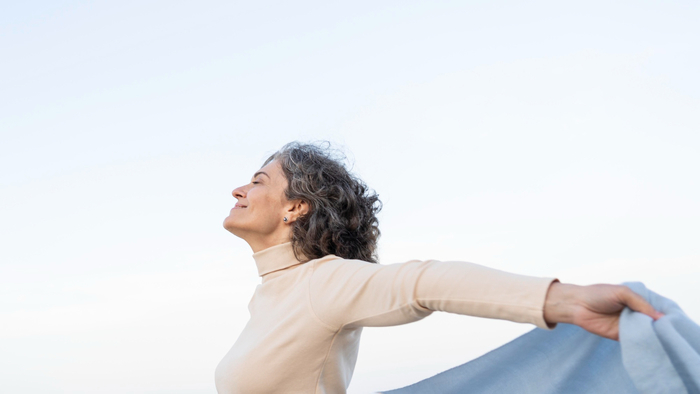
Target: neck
x: 261, y: 243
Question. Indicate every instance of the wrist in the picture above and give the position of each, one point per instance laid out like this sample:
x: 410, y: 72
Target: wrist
x: 560, y: 303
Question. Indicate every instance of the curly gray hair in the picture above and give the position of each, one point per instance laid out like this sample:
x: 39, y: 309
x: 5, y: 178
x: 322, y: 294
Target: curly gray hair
x: 342, y: 210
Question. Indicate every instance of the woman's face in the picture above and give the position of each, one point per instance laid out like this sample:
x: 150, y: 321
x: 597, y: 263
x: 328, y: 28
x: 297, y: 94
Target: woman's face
x: 258, y: 214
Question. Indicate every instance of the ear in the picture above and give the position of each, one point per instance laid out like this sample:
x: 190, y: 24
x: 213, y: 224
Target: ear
x: 297, y: 209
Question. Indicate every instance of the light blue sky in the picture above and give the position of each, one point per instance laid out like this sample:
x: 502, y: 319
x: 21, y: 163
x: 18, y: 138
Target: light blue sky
x: 541, y: 138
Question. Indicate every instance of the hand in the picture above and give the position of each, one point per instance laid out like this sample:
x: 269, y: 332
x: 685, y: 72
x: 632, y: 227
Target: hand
x: 595, y: 308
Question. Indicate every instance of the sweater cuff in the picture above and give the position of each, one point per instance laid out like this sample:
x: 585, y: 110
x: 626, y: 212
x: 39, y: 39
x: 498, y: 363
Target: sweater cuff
x: 542, y: 323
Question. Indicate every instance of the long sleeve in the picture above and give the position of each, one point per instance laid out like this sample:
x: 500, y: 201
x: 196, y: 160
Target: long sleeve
x: 350, y: 293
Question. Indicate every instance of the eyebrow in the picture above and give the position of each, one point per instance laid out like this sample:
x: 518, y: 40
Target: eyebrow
x: 261, y: 172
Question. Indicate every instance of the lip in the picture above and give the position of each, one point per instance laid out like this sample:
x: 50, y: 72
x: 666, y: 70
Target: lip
x: 238, y: 206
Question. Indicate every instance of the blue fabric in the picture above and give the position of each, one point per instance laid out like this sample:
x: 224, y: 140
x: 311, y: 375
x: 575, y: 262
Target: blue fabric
x: 660, y: 356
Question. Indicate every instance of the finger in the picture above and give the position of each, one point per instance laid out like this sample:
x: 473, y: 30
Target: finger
x: 637, y: 303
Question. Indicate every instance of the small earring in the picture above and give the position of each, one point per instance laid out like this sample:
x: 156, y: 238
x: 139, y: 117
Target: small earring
x: 285, y: 219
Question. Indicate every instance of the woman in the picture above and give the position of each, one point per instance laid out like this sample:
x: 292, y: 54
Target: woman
x: 313, y: 230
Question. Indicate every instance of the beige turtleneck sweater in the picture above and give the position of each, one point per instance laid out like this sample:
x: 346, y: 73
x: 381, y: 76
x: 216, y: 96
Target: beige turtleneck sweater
x: 306, y: 318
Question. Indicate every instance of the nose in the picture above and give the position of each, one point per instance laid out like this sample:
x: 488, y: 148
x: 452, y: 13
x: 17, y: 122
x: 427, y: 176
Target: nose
x: 239, y: 192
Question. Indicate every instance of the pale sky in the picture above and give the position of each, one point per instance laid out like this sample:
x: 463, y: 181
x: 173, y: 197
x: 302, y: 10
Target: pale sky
x: 542, y: 138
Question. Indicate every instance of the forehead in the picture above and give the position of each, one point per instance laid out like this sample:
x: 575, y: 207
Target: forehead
x: 273, y: 169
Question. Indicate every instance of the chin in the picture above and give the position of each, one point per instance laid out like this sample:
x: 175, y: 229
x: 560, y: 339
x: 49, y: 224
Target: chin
x: 232, y: 228
x: 228, y: 225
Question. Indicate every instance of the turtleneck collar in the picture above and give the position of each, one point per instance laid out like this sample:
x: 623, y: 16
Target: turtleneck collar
x: 275, y: 258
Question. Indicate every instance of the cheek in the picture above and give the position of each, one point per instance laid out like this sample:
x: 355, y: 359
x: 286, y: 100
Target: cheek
x: 265, y: 200
x: 265, y: 208
x: 272, y: 209
x: 266, y: 203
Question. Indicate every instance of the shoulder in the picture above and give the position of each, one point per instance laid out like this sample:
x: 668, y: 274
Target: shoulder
x: 344, y: 291
x: 332, y: 261
x: 334, y: 271
x: 333, y: 266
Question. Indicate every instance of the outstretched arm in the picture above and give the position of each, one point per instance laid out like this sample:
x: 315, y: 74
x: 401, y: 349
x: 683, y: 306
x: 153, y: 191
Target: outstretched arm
x: 352, y: 293
x: 595, y: 308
